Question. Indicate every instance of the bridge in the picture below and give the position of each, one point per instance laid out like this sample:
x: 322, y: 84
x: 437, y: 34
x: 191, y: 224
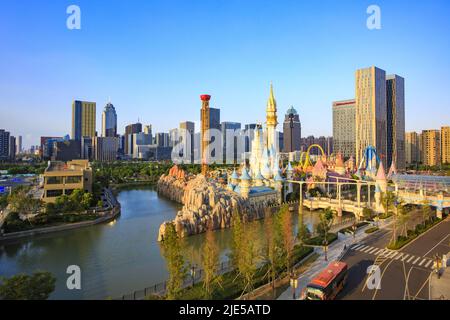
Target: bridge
x: 439, y: 199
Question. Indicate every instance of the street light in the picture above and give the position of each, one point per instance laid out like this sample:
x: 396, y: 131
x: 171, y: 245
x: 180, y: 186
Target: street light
x: 325, y: 247
x: 193, y: 271
x: 294, y: 284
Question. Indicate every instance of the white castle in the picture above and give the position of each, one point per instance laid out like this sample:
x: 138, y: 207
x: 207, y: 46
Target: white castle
x: 264, y: 170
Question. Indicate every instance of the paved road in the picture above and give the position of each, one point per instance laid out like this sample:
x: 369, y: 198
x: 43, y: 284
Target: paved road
x: 404, y: 273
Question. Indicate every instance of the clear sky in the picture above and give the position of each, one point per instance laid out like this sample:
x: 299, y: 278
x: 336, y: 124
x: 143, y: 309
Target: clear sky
x: 154, y: 58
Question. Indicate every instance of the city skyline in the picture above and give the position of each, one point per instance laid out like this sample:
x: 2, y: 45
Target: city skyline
x: 140, y: 64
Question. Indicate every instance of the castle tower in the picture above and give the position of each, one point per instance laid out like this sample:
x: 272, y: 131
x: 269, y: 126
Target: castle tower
x: 271, y: 120
x: 245, y: 183
x: 205, y: 127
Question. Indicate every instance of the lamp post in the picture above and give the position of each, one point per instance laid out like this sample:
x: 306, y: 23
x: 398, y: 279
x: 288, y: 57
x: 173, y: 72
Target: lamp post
x: 193, y: 271
x: 325, y: 247
x: 294, y: 284
x: 291, y: 124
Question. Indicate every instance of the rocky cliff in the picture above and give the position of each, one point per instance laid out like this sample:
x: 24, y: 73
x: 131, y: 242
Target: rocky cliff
x: 206, y: 203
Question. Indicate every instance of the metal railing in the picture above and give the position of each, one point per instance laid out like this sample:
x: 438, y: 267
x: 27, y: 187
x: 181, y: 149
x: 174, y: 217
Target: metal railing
x: 159, y: 289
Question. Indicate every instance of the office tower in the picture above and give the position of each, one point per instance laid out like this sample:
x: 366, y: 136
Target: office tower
x: 87, y: 148
x: 109, y: 121
x: 431, y: 147
x: 129, y: 131
x: 186, y: 134
x: 139, y: 139
x: 19, y: 148
x: 12, y: 147
x: 371, y: 112
x: 230, y: 140
x: 162, y: 139
x: 66, y: 150
x: 148, y: 129
x: 83, y: 119
x: 105, y: 149
x: 280, y: 140
x: 210, y: 119
x: 292, y: 131
x: 46, y: 148
x: 344, y: 123
x: 445, y: 145
x: 412, y: 148
x: 395, y: 130
x: 249, y: 133
x: 4, y: 145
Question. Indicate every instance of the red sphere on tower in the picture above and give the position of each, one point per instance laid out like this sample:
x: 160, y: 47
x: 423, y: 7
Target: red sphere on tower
x: 205, y: 97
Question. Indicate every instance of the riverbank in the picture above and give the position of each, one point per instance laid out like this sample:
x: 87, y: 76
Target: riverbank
x: 104, y: 216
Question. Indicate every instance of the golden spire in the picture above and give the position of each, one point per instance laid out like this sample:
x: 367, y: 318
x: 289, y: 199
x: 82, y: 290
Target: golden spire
x: 271, y: 103
x: 271, y: 112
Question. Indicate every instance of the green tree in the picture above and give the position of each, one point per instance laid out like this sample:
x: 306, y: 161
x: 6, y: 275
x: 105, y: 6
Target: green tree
x: 288, y: 240
x: 38, y: 286
x: 175, y: 261
x: 210, y: 265
x: 237, y: 238
x: 427, y: 212
x: 273, y: 248
x: 387, y: 201
x: 247, y: 260
x: 86, y: 200
x: 403, y: 218
x: 326, y: 219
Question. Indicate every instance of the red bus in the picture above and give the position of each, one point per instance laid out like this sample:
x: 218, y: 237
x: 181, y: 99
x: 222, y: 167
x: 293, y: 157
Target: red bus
x: 328, y: 283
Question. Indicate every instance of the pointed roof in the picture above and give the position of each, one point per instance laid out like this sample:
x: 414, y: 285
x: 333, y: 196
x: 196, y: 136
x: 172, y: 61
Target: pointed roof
x: 244, y: 175
x: 259, y: 176
x: 289, y: 167
x: 392, y: 170
x: 278, y: 177
x: 272, y: 103
x: 234, y: 175
x: 381, y: 174
x: 318, y: 168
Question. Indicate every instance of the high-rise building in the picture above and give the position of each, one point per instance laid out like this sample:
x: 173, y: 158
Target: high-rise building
x: 109, y: 121
x: 344, y: 126
x: 19, y: 148
x: 12, y: 147
x: 292, y: 131
x: 249, y: 133
x: 186, y: 134
x: 210, y: 119
x: 87, y: 148
x: 230, y: 141
x: 431, y: 147
x: 445, y: 145
x: 83, y: 119
x: 47, y: 144
x: 395, y: 130
x: 105, y: 148
x: 371, y: 112
x: 66, y: 150
x: 129, y: 131
x: 4, y: 145
x: 412, y: 148
x: 162, y: 139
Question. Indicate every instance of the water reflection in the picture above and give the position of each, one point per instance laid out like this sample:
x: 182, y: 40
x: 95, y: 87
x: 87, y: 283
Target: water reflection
x: 115, y: 258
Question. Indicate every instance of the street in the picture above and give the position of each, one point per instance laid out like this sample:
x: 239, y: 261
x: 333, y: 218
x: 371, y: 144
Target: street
x: 404, y: 273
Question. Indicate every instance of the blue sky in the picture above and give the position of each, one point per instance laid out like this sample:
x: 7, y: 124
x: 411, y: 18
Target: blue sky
x: 154, y: 59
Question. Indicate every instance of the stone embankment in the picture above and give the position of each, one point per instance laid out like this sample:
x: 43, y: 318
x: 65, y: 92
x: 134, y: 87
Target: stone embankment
x: 206, y: 204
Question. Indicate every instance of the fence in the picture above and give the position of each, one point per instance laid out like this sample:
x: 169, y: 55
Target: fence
x: 159, y: 289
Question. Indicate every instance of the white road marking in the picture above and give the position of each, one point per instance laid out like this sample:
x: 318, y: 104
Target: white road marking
x: 436, y: 245
x: 358, y: 246
x: 412, y: 257
x: 367, y: 249
x: 391, y: 256
x: 418, y: 258
x: 373, y: 250
x: 361, y: 248
x: 399, y: 256
x: 428, y: 263
x: 405, y: 256
x: 379, y: 251
x: 422, y: 262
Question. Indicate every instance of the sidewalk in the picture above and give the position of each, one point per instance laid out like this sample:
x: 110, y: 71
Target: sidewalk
x: 440, y: 288
x: 335, y: 252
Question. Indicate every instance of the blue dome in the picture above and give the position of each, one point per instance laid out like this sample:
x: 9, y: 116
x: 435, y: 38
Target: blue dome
x: 291, y: 110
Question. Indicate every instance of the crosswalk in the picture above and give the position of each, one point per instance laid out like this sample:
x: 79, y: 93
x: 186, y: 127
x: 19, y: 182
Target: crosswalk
x: 386, y: 254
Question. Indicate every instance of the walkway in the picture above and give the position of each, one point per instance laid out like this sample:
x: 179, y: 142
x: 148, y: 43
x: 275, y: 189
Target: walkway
x: 335, y: 252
